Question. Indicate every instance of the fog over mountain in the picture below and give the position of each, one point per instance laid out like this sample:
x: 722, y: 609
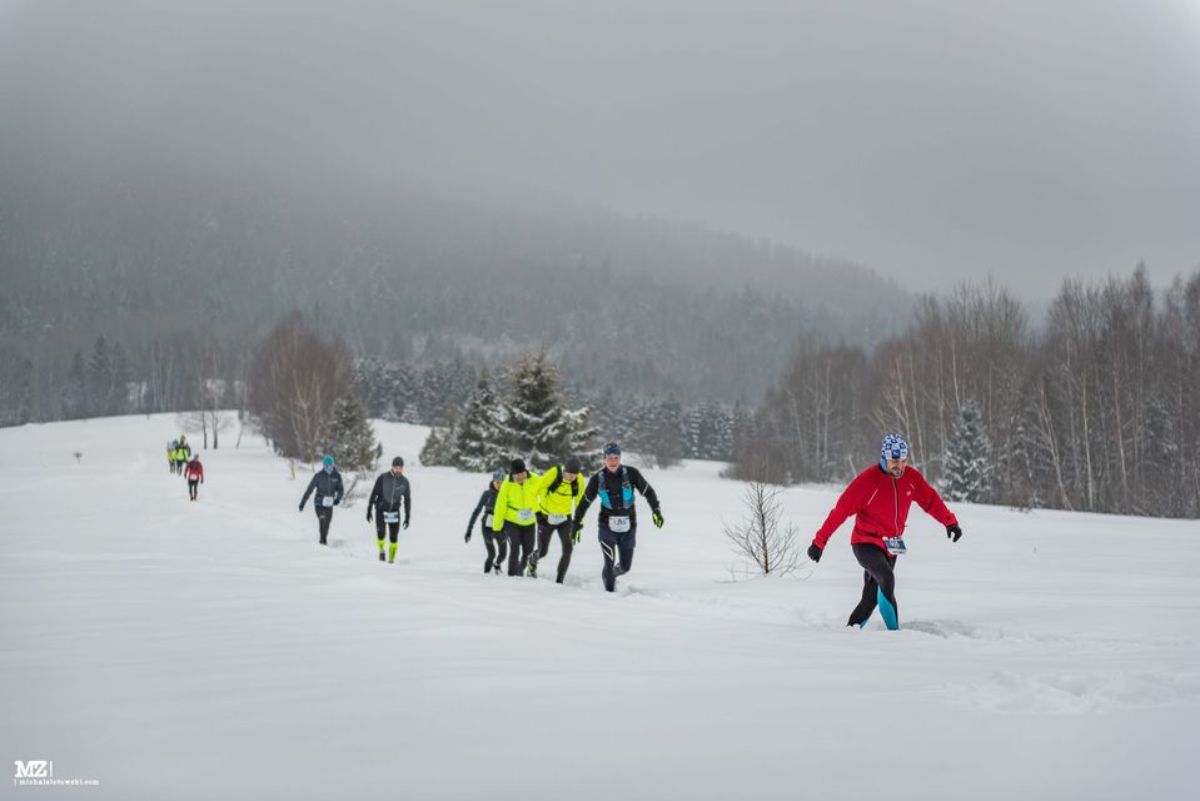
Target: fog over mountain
x: 933, y: 142
x: 142, y: 252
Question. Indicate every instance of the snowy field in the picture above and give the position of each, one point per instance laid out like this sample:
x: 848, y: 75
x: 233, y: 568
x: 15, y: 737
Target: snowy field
x: 213, y: 650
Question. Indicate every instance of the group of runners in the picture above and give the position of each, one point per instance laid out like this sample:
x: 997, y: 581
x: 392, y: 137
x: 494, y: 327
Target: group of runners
x: 524, y: 511
x: 521, y: 512
x: 181, y: 461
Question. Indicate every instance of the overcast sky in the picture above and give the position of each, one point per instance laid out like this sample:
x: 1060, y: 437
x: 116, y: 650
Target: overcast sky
x: 931, y: 141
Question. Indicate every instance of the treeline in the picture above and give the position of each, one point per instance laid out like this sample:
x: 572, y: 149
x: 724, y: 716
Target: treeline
x: 179, y: 371
x: 459, y: 396
x: 190, y: 371
x: 155, y: 259
x: 1097, y: 409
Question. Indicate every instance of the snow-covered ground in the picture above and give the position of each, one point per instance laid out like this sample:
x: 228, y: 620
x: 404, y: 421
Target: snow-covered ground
x: 213, y: 650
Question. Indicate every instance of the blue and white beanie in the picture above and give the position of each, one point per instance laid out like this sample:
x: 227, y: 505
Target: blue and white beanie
x: 327, y: 463
x: 499, y: 475
x: 893, y: 447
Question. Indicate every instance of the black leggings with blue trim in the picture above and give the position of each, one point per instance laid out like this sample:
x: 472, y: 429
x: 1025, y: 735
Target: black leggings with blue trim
x: 879, y: 576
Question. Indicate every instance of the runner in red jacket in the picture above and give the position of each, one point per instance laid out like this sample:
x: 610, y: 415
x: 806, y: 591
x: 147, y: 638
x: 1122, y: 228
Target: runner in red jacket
x: 194, y: 473
x: 879, y: 497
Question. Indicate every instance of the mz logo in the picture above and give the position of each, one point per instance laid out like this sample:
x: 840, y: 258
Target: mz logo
x: 34, y: 769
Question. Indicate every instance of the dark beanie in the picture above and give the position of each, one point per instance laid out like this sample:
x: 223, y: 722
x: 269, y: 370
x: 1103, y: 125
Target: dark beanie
x: 517, y: 466
x: 573, y: 465
x: 397, y: 462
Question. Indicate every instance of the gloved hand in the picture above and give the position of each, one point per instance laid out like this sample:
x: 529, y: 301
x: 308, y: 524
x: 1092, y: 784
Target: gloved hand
x: 467, y: 537
x: 577, y: 533
x: 405, y: 525
x: 369, y: 511
x: 301, y: 507
x: 953, y: 532
x: 814, y: 552
x: 337, y: 501
x: 657, y: 518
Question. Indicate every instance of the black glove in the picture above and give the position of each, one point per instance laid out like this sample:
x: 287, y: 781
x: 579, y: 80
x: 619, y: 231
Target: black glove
x: 405, y: 526
x: 301, y: 507
x: 814, y: 552
x: 368, y: 513
x: 578, y: 532
x: 657, y: 518
x: 467, y: 537
x: 953, y: 532
x: 338, y: 501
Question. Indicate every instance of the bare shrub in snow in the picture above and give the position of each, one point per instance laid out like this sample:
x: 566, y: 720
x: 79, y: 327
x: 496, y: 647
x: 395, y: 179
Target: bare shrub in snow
x: 761, y: 536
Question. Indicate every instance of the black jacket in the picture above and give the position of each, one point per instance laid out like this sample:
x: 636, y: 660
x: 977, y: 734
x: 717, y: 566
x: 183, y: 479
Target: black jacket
x: 618, y: 488
x: 325, y: 484
x: 486, y: 501
x: 389, y: 491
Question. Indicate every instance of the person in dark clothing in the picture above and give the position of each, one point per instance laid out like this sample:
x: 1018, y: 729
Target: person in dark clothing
x: 194, y: 473
x: 390, y: 490
x: 614, y: 486
x: 327, y: 483
x: 497, y: 545
x: 880, y: 498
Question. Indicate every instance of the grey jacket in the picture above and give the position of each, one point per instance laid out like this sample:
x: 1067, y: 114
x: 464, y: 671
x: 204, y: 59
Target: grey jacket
x: 389, y: 492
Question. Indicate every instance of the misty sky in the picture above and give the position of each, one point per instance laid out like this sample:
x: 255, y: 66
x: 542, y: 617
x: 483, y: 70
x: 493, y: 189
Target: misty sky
x: 931, y: 141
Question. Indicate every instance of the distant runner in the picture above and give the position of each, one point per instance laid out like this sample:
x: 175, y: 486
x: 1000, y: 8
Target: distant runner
x: 391, y: 490
x: 194, y: 473
x: 327, y: 483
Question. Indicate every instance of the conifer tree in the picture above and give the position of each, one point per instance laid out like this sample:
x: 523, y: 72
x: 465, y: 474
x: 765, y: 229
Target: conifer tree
x: 478, y: 445
x: 968, y: 458
x: 438, y: 450
x: 75, y: 397
x: 350, y: 437
x: 582, y: 439
x: 535, y: 426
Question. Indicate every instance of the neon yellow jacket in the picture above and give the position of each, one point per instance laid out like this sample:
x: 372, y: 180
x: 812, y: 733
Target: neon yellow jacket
x: 562, y: 501
x: 516, y: 503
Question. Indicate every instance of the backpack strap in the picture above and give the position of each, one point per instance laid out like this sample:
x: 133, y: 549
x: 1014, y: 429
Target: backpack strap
x: 557, y: 482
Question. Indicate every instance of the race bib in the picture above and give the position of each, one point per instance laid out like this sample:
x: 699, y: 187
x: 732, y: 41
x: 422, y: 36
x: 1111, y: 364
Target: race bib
x: 895, y: 545
x: 391, y: 517
x: 556, y: 520
x: 487, y: 521
x: 619, y: 524
x: 524, y: 515
x: 327, y: 501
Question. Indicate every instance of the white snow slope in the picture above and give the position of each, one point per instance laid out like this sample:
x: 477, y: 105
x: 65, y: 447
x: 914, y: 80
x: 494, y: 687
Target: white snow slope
x: 214, y: 650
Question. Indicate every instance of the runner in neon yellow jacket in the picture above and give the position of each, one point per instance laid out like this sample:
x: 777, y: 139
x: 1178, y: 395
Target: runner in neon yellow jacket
x: 559, y: 491
x: 515, y: 514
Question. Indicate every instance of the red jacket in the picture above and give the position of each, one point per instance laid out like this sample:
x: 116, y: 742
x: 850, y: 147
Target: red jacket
x: 194, y: 470
x: 881, y: 505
